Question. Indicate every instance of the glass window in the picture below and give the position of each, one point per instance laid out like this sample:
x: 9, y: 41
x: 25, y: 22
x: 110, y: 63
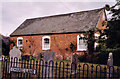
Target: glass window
x: 81, y: 43
x: 19, y: 42
x: 46, y: 43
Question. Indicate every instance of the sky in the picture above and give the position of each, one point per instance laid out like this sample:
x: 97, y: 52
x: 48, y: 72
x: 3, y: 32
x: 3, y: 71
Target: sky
x: 15, y: 12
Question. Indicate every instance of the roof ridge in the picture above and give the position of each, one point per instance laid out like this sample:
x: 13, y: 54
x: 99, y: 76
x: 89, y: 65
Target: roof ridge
x: 65, y: 14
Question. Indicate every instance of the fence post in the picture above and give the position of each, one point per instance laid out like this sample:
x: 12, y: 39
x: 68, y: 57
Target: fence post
x: 110, y: 66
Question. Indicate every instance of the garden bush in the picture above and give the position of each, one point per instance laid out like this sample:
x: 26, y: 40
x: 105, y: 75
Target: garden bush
x: 103, y: 56
x: 82, y: 58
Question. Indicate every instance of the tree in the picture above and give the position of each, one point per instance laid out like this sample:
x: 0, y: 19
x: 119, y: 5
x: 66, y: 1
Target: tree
x: 90, y: 37
x: 113, y: 33
x: 5, y: 43
x: 112, y: 43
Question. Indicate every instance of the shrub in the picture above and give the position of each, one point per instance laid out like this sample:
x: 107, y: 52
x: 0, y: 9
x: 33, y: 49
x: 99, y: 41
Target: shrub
x: 26, y: 57
x: 103, y: 56
x: 82, y: 58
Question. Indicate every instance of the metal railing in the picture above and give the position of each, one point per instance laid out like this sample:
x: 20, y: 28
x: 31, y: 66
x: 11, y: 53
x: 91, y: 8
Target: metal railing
x: 37, y: 69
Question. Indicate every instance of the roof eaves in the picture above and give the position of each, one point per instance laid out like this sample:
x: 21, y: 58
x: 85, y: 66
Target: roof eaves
x: 47, y: 34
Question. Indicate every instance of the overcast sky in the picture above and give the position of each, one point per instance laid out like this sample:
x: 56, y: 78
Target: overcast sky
x: 14, y: 13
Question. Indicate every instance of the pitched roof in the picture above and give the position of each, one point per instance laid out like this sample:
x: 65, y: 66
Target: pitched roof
x: 65, y: 23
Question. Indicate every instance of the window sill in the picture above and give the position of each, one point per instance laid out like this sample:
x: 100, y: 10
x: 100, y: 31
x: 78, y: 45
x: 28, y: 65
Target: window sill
x: 45, y: 48
x: 20, y: 46
x: 81, y: 50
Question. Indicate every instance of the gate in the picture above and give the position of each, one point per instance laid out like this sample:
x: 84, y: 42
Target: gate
x: 37, y: 69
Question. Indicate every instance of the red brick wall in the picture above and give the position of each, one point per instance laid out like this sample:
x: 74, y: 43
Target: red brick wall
x: 99, y: 24
x: 58, y: 44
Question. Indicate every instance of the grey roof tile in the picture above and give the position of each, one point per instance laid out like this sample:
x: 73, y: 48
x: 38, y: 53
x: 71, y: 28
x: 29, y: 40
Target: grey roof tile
x: 65, y: 23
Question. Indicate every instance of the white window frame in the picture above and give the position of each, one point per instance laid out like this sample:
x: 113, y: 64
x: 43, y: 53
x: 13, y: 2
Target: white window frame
x: 96, y: 37
x: 78, y: 43
x: 43, y: 45
x: 19, y: 45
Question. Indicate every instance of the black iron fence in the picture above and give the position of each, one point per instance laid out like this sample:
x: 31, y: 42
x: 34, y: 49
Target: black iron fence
x: 37, y: 69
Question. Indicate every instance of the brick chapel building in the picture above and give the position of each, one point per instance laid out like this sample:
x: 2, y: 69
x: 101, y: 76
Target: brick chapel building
x: 57, y: 33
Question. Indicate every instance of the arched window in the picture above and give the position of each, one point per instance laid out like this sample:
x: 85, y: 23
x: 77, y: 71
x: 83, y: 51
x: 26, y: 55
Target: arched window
x: 19, y: 42
x: 81, y: 43
x: 45, y: 43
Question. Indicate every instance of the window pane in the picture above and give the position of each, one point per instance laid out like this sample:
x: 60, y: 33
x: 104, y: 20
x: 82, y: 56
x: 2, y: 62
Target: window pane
x: 82, y: 44
x: 46, y: 45
x: 46, y: 41
x: 20, y: 42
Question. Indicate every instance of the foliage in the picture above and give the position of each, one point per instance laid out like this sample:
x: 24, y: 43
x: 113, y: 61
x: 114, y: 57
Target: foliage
x: 108, y: 40
x: 5, y: 48
x: 26, y: 57
x: 112, y: 43
x: 82, y: 58
x: 113, y: 33
x: 6, y: 42
x: 41, y: 55
x: 103, y: 56
x: 91, y: 40
x: 72, y: 46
